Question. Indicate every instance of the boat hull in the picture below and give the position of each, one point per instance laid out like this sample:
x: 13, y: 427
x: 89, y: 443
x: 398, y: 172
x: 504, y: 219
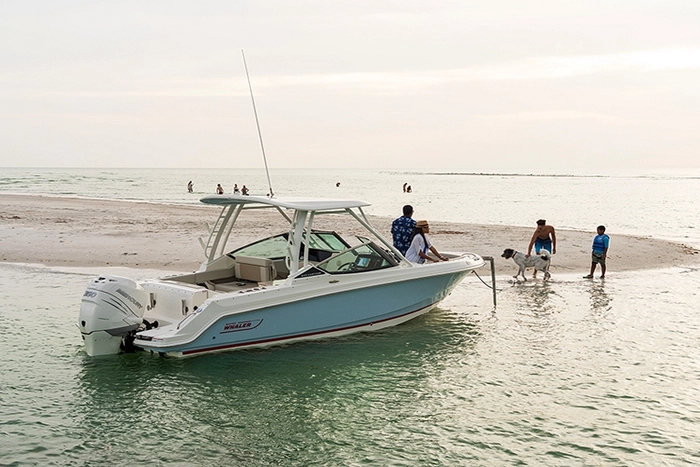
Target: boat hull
x: 300, y: 315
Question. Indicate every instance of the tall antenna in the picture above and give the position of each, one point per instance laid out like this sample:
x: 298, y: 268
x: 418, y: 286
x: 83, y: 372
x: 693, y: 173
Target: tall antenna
x: 257, y: 122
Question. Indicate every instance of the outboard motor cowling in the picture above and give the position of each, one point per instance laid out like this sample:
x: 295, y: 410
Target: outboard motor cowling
x: 111, y: 307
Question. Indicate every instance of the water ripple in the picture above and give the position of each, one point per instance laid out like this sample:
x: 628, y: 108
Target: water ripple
x: 560, y: 374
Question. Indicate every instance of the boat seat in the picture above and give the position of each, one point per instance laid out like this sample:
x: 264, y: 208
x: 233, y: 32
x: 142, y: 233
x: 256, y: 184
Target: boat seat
x: 250, y: 268
x: 281, y: 268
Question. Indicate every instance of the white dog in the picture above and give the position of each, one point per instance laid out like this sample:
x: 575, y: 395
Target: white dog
x: 539, y: 261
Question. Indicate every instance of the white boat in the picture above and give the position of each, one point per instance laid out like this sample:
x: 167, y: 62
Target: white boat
x: 301, y: 284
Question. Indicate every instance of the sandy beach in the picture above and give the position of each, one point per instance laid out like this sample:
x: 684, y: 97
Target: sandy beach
x: 57, y: 231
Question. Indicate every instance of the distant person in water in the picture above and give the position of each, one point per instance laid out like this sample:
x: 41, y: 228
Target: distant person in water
x: 219, y: 190
x: 244, y: 191
x: 190, y: 186
x: 404, y: 187
x: 601, y: 242
x: 408, y: 189
x: 337, y: 184
x: 544, y: 237
x: 236, y: 190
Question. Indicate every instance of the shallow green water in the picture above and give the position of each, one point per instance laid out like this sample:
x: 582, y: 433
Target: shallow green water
x: 572, y: 372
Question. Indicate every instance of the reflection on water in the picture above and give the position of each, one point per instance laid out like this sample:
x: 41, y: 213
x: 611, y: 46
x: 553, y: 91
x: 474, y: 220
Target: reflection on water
x: 564, y: 372
x: 535, y: 297
x: 600, y: 300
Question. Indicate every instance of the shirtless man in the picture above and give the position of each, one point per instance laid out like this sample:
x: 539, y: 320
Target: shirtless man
x: 544, y: 237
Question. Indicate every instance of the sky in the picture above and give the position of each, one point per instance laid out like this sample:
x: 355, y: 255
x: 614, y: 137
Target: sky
x: 498, y: 85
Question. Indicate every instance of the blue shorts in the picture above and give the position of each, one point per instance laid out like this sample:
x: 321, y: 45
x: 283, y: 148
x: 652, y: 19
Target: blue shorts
x: 546, y: 244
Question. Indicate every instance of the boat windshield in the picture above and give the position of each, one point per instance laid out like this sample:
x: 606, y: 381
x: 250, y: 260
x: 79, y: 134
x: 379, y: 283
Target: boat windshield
x: 276, y: 246
x: 329, y: 241
x: 362, y: 258
x: 271, y: 247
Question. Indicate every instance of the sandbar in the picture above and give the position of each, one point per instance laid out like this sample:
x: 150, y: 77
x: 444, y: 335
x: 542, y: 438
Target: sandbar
x: 65, y: 231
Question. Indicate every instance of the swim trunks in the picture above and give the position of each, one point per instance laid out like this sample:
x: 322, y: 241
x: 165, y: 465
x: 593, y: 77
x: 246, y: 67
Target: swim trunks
x: 545, y: 243
x: 598, y: 258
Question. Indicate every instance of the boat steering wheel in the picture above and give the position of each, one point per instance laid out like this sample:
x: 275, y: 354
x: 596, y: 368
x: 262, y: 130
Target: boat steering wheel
x: 349, y: 266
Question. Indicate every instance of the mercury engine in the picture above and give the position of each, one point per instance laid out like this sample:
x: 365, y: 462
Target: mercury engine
x: 112, y: 309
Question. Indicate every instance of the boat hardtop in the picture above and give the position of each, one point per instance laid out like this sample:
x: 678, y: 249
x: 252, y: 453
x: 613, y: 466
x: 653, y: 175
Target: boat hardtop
x: 301, y: 204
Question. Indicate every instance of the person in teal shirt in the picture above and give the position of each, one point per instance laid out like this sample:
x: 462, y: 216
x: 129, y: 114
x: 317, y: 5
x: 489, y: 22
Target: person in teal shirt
x: 601, y: 243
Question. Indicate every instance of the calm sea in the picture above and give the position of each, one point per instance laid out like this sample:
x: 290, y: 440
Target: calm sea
x: 569, y: 372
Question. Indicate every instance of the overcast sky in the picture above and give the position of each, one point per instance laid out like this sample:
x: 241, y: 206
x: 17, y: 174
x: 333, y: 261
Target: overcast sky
x: 539, y: 85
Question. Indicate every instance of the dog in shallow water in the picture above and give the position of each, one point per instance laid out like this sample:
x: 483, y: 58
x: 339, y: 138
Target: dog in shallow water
x: 540, y: 261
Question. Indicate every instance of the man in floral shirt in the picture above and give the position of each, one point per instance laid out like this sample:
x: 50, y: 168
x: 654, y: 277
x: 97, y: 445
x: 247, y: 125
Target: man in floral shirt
x: 402, y: 228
